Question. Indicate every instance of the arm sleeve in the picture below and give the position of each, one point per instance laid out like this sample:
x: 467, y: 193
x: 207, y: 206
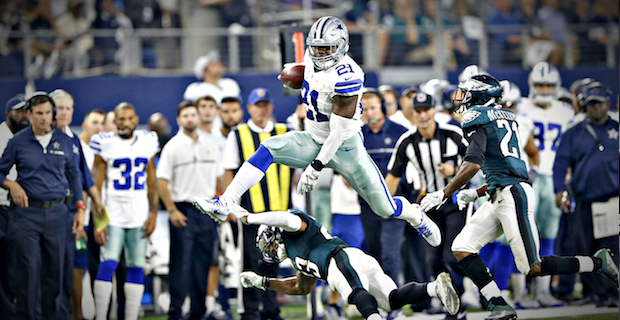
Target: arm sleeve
x: 7, y: 161
x: 72, y: 171
x: 341, y: 129
x: 477, y: 138
x: 282, y: 219
x: 562, y: 163
x: 398, y: 162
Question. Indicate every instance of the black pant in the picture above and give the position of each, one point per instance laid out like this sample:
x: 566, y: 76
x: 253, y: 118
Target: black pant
x: 384, y: 239
x: 40, y: 239
x: 67, y: 279
x: 585, y: 243
x: 450, y: 221
x: 7, y: 307
x: 252, y: 297
x: 191, y: 256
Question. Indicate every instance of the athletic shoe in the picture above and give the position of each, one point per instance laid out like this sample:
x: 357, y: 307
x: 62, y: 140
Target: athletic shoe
x: 334, y: 312
x: 609, y: 270
x: 216, y: 208
x: 546, y: 300
x: 444, y: 289
x: 523, y: 301
x: 428, y: 230
x: 395, y: 315
x: 500, y: 310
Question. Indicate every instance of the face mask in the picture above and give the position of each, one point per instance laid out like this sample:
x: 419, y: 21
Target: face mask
x: 543, y: 99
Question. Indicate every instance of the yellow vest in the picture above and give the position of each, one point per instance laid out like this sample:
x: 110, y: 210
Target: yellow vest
x: 277, y: 181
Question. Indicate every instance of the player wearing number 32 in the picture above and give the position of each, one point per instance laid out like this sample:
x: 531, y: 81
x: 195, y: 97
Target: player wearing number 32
x: 125, y: 159
x: 316, y: 254
x: 494, y: 146
x: 331, y: 92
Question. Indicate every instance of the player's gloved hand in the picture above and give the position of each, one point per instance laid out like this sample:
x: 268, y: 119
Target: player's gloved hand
x: 309, y: 177
x: 465, y: 197
x: 238, y: 211
x: 432, y: 200
x: 250, y: 279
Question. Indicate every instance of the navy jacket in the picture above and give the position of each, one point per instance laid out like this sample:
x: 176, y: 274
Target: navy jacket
x: 43, y: 174
x: 594, y: 173
x: 380, y: 145
x: 87, y: 177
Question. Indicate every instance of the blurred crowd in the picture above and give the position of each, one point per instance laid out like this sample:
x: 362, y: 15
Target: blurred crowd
x: 85, y: 34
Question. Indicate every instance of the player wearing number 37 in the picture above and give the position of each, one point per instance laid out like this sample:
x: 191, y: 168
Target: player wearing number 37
x: 331, y: 92
x: 316, y: 254
x: 494, y: 147
x: 125, y: 159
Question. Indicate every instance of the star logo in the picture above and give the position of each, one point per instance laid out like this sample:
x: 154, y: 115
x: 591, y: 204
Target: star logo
x: 388, y: 140
x: 76, y: 150
x: 56, y: 145
x: 613, y: 134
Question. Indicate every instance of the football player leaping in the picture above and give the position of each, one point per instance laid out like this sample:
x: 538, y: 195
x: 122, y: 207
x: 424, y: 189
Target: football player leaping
x: 494, y: 146
x: 331, y: 93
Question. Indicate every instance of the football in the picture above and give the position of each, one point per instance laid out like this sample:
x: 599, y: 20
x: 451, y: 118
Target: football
x: 292, y: 76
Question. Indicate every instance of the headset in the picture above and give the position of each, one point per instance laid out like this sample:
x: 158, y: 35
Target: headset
x: 42, y: 94
x: 378, y: 94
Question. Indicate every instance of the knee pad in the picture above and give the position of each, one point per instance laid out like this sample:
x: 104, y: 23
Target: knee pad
x: 261, y: 159
x: 106, y: 270
x: 135, y: 275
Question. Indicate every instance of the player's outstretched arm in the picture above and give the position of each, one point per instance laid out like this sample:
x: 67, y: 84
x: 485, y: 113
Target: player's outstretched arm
x: 341, y: 127
x: 294, y: 286
x: 466, y: 172
x: 281, y: 219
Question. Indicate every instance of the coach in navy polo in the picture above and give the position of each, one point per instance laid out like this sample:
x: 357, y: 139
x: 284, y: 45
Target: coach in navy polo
x: 47, y: 169
x: 383, y: 237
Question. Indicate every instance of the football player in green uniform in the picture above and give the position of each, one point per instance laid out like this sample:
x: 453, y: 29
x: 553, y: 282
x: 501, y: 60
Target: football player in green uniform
x: 316, y: 254
x: 494, y: 147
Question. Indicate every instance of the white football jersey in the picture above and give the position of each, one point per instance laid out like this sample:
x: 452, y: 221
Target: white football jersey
x: 346, y: 78
x: 126, y: 161
x: 549, y: 125
x: 526, y: 127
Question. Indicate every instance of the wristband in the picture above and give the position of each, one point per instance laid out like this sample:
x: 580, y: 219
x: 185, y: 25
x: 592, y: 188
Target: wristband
x: 81, y: 206
x: 317, y: 165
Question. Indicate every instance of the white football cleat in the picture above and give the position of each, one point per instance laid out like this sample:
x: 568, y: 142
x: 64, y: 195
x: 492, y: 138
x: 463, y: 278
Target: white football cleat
x: 447, y: 293
x: 217, y: 208
x: 429, y: 230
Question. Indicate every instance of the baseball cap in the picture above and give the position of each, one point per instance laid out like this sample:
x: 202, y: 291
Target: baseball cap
x: 15, y: 103
x: 259, y: 94
x: 422, y: 99
x: 596, y: 91
x: 410, y: 89
x: 202, y: 63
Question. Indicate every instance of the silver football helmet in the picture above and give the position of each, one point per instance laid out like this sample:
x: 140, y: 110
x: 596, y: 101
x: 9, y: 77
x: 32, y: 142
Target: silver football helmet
x: 544, y: 73
x: 269, y: 243
x: 470, y: 71
x: 511, y: 94
x: 329, y: 34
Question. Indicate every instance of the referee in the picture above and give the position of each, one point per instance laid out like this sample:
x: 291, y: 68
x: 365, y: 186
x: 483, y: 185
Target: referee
x: 436, y: 151
x: 47, y: 170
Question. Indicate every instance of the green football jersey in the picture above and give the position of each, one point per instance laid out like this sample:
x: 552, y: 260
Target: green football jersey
x: 494, y: 144
x: 311, y: 249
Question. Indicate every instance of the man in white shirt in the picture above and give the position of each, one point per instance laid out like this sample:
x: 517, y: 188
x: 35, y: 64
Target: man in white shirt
x: 16, y: 119
x: 190, y: 165
x: 208, y: 112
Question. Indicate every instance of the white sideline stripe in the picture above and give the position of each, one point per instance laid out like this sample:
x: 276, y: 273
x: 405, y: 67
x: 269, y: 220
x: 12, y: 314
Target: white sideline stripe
x: 543, y: 313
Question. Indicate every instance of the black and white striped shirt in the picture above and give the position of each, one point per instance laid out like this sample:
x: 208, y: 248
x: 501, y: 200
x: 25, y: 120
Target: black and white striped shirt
x: 447, y: 146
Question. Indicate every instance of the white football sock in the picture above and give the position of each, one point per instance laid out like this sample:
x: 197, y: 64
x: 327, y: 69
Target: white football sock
x: 247, y: 176
x: 374, y: 316
x: 431, y: 288
x: 210, y: 304
x: 133, y: 299
x: 586, y: 264
x: 542, y: 285
x: 517, y: 280
x: 490, y: 291
x: 410, y: 212
x: 103, y: 292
